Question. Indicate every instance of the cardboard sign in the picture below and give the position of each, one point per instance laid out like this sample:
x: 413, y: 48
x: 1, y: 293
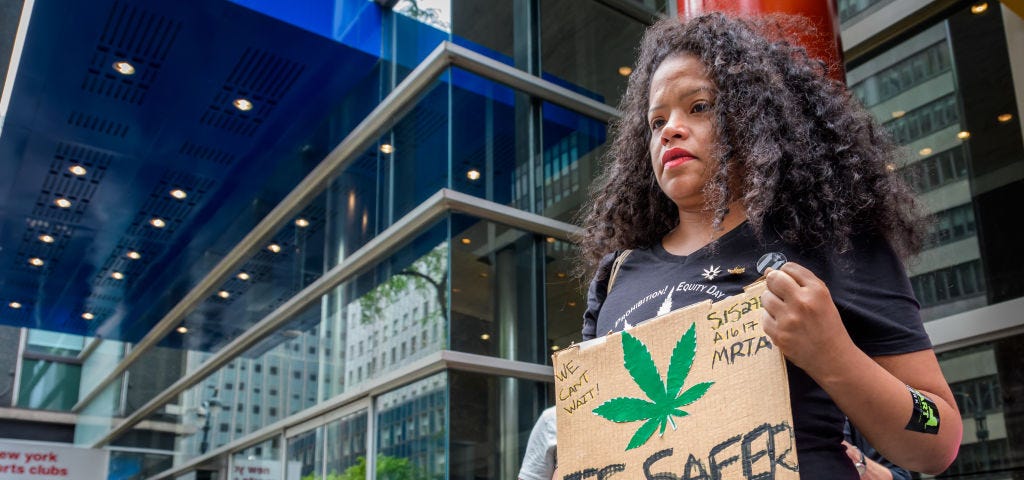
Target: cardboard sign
x: 699, y: 393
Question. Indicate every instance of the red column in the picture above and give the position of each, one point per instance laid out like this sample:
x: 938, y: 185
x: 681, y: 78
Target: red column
x: 822, y: 13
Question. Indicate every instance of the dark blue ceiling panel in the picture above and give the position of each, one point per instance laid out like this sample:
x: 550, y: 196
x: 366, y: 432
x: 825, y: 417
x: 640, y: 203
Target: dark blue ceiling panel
x: 91, y: 155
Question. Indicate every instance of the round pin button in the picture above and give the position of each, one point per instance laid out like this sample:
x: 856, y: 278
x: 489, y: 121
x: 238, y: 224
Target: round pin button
x: 773, y: 260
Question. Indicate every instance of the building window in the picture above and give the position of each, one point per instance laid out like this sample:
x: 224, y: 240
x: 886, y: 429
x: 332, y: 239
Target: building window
x: 949, y: 284
x: 954, y: 224
x: 938, y: 170
x: 925, y: 120
x: 908, y: 73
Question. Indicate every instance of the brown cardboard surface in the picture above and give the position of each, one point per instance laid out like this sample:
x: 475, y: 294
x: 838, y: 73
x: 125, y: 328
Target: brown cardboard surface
x: 740, y: 428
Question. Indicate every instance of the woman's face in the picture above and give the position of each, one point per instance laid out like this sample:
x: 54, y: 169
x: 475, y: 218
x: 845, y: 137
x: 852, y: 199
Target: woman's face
x: 682, y: 133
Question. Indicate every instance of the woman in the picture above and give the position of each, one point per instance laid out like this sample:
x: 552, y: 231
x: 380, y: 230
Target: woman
x: 733, y: 144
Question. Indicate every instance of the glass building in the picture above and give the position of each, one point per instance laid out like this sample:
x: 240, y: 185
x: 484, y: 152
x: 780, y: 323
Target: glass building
x: 333, y: 239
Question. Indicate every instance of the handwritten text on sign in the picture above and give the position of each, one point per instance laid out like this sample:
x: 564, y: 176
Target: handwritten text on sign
x: 736, y: 331
x: 579, y: 388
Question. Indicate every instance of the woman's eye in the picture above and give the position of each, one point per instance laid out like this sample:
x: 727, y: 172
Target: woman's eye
x: 701, y: 107
x: 657, y: 123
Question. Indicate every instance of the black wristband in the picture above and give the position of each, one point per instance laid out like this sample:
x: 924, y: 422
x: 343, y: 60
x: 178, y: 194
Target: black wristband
x: 925, y: 417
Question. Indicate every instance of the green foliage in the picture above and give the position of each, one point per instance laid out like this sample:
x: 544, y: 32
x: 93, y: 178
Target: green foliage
x: 664, y: 402
x: 388, y: 468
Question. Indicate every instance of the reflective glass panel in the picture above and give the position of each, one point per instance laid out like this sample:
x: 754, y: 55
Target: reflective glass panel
x: 263, y: 459
x: 941, y: 93
x: 48, y: 385
x: 415, y: 155
x: 495, y: 416
x: 392, y: 315
x: 588, y: 47
x: 495, y: 289
x: 412, y: 430
x: 346, y: 447
x: 565, y: 295
x: 985, y: 380
x: 54, y: 343
x: 490, y: 145
x: 137, y: 466
x: 305, y: 455
x: 574, y: 148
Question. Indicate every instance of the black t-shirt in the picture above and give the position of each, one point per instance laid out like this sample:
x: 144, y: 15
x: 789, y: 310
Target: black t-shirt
x: 868, y: 285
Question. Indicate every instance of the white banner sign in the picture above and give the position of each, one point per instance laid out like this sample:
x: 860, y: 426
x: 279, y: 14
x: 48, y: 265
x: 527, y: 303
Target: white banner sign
x: 262, y: 470
x: 27, y: 461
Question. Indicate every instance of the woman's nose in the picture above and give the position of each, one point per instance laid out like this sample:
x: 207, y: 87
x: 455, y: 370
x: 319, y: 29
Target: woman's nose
x: 673, y: 129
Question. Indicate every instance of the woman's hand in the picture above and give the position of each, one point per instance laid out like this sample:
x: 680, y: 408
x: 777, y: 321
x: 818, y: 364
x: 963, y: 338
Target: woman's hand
x: 803, y: 322
x: 868, y: 468
x: 801, y: 319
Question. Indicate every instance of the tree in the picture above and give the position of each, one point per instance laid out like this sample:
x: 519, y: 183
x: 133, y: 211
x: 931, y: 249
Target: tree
x: 427, y: 275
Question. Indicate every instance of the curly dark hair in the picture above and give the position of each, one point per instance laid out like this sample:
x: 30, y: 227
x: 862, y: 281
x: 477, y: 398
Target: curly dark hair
x: 795, y: 148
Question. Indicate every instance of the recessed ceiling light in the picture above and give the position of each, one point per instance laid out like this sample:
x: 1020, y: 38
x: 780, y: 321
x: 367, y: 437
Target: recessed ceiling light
x: 560, y: 274
x: 182, y: 329
x: 157, y: 222
x: 223, y: 294
x: 551, y: 239
x: 572, y: 304
x: 625, y: 70
x: 77, y: 170
x: 963, y: 135
x: 46, y: 238
x: 88, y: 316
x: 36, y: 262
x: 243, y: 276
x: 890, y: 167
x: 386, y: 148
x: 1006, y: 117
x: 924, y: 152
x: 14, y: 305
x: 273, y: 247
x: 979, y: 8
x: 117, y: 275
x: 485, y: 337
x: 301, y: 222
x: 62, y: 202
x: 466, y: 241
x: 132, y: 254
x: 124, y: 68
x: 554, y: 348
x: 242, y: 104
x: 179, y: 194
x: 473, y: 174
x: 483, y: 274
x: 898, y: 113
x: 456, y: 290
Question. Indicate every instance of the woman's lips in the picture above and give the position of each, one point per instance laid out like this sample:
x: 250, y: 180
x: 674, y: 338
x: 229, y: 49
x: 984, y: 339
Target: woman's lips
x: 675, y: 157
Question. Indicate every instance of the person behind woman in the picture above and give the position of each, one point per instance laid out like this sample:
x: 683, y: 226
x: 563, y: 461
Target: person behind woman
x: 733, y: 144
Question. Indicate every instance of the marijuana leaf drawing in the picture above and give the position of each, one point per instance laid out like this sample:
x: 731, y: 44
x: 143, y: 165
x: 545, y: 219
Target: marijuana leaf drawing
x: 665, y: 403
